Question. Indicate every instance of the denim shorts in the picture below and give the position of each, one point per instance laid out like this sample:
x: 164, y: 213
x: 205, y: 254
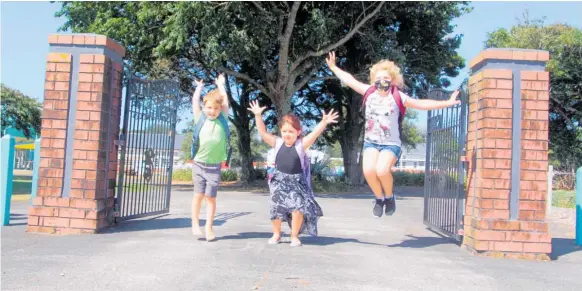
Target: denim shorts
x: 396, y: 150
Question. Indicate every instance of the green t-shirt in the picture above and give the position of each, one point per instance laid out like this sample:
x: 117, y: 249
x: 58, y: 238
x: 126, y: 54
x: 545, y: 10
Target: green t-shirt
x: 212, y: 148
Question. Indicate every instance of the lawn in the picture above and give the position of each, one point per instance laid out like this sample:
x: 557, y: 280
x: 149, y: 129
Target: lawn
x: 564, y: 198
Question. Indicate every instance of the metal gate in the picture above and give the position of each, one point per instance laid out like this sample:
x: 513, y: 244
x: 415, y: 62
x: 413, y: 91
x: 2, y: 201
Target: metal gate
x: 444, y: 184
x: 146, y: 148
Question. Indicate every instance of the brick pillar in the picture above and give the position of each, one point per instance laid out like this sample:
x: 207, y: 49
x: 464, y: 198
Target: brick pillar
x: 507, y: 145
x: 80, y: 122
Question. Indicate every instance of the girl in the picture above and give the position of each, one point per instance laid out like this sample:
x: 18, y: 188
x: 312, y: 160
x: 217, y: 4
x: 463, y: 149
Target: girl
x: 292, y: 198
x: 383, y: 107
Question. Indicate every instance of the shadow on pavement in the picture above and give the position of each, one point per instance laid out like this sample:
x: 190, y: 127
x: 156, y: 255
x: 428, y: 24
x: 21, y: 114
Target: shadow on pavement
x: 417, y: 242
x: 170, y: 223
x: 563, y: 246
x: 307, y: 240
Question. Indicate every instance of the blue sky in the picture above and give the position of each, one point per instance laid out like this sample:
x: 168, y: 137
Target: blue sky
x: 26, y: 25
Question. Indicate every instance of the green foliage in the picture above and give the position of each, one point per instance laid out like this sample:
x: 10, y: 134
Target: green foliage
x: 564, y: 43
x: 20, y: 112
x: 564, y: 198
x: 182, y: 175
x: 228, y: 175
x: 414, y: 179
x: 185, y: 175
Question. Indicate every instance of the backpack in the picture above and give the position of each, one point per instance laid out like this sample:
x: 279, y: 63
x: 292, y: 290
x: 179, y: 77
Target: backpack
x: 196, y: 136
x: 396, y: 94
x: 305, y: 161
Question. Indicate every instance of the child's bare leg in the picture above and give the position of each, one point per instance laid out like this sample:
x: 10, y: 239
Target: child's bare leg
x: 196, y: 203
x: 276, y: 226
x: 296, y: 221
x: 210, y: 211
x: 369, y: 164
x: 386, y: 161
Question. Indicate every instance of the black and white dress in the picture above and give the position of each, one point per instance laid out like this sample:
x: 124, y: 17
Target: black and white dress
x: 290, y: 191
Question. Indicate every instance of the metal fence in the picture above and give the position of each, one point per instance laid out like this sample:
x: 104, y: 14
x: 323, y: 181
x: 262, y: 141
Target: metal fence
x: 147, y: 148
x: 444, y: 186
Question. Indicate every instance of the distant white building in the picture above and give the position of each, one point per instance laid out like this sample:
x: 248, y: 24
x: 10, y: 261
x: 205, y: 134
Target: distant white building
x: 414, y: 159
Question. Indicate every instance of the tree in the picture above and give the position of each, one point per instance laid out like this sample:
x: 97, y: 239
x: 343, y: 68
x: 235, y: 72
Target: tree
x: 427, y: 57
x: 20, y: 112
x: 275, y: 49
x: 564, y: 43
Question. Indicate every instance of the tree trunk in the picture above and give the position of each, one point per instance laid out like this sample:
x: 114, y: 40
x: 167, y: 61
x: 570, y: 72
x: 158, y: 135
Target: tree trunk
x: 349, y: 137
x: 244, y: 147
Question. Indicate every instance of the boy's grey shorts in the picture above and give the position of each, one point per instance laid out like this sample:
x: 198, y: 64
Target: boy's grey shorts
x: 206, y: 178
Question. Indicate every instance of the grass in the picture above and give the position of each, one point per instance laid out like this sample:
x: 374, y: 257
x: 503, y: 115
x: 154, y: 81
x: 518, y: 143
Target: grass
x: 564, y: 198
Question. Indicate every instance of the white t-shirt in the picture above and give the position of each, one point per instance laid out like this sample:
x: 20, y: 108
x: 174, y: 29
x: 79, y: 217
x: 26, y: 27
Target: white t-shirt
x: 382, y: 114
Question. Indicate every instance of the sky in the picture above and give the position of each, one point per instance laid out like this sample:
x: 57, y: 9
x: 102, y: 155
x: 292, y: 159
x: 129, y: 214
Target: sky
x: 25, y: 27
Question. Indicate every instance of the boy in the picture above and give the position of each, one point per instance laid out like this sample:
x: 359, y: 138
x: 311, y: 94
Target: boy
x: 210, y: 152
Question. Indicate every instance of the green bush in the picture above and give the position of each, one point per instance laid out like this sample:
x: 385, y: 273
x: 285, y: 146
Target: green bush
x: 228, y: 175
x: 402, y: 178
x: 182, y: 175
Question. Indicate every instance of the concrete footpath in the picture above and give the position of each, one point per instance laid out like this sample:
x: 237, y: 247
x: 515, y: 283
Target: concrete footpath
x: 354, y: 251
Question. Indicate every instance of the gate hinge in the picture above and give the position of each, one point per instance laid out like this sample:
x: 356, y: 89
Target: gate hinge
x: 464, y: 159
x: 118, y: 142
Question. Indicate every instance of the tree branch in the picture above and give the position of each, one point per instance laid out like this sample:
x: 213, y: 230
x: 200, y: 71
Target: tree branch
x: 284, y: 42
x: 565, y: 108
x: 305, y: 79
x: 340, y: 42
x: 246, y: 78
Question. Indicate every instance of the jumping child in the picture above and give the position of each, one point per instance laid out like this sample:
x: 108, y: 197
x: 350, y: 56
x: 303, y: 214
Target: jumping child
x: 210, y: 153
x: 292, y: 198
x: 384, y: 106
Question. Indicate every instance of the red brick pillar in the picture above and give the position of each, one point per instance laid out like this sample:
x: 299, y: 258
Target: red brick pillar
x: 507, y: 144
x: 80, y: 122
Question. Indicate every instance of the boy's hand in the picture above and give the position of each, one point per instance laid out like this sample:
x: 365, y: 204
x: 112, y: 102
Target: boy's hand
x: 199, y: 83
x: 453, y: 100
x: 220, y: 80
x: 330, y: 117
x: 256, y: 109
x: 330, y: 60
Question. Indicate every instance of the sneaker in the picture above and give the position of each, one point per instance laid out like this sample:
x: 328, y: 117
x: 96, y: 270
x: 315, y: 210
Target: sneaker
x: 295, y: 243
x: 390, y: 205
x: 274, y: 241
x: 378, y: 207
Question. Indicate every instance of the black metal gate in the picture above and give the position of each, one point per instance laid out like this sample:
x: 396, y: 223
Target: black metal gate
x: 444, y: 185
x: 147, y: 148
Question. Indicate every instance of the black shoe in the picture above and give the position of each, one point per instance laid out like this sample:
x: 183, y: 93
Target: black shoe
x: 378, y: 207
x: 390, y: 205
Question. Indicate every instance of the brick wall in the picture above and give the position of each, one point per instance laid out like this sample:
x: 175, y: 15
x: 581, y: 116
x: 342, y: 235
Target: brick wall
x: 82, y: 200
x: 489, y: 227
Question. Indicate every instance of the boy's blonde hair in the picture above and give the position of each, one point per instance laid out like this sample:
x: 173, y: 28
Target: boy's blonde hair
x: 392, y: 69
x: 213, y: 96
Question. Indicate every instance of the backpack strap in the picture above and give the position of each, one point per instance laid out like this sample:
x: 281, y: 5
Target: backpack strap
x: 369, y: 92
x: 305, y: 163
x: 196, y: 135
x: 224, y: 124
x: 396, y: 95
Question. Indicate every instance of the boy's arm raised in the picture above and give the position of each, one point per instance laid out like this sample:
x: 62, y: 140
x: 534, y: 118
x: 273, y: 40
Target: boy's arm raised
x: 319, y: 128
x: 345, y: 77
x: 220, y: 85
x: 258, y: 111
x: 196, y: 98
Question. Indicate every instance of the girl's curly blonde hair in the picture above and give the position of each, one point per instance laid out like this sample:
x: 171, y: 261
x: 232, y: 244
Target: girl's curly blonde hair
x: 392, y: 69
